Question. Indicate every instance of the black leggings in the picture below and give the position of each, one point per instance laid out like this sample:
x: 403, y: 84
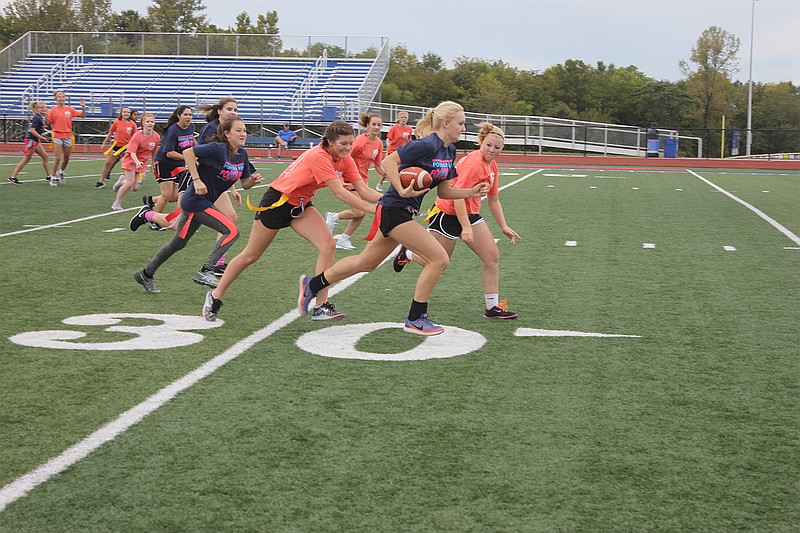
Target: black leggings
x: 188, y: 223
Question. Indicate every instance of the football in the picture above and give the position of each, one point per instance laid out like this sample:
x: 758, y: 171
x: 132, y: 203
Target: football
x: 416, y: 175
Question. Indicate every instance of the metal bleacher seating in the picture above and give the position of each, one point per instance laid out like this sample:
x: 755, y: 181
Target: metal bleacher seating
x: 267, y: 89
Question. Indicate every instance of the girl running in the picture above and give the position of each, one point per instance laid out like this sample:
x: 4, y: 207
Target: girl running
x: 213, y: 167
x: 169, y: 161
x: 435, y: 151
x: 223, y: 110
x: 141, y: 147
x: 121, y: 130
x: 367, y: 150
x: 33, y: 138
x: 287, y: 203
x: 398, y: 135
x: 452, y: 219
x: 60, y: 120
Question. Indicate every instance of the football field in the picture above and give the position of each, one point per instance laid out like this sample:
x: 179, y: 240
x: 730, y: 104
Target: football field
x: 651, y: 382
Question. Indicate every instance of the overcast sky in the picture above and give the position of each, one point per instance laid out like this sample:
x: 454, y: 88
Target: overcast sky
x: 653, y: 35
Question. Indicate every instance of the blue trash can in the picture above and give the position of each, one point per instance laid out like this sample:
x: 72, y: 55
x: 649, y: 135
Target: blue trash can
x: 671, y: 147
x: 652, y: 141
x: 329, y: 113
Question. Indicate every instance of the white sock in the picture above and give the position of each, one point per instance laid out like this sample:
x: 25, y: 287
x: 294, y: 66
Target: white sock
x: 491, y: 300
x: 409, y: 253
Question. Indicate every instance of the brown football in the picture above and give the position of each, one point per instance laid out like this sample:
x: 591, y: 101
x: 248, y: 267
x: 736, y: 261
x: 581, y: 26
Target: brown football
x: 416, y: 175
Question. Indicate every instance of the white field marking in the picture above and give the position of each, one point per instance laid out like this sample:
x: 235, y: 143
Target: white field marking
x: 729, y: 248
x: 113, y: 230
x: 496, y: 241
x: 520, y: 180
x: 571, y: 243
x: 791, y: 247
x: 678, y: 189
x: 765, y: 191
x: 609, y: 177
x: 509, y: 173
x: 27, y: 482
x: 551, y: 186
x: 566, y: 175
x: 64, y: 224
x: 635, y: 188
x: 593, y: 187
x: 649, y: 245
x: 532, y: 332
x: 794, y: 238
x: 340, y: 342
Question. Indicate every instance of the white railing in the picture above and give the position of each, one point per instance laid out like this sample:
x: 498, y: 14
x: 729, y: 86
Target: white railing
x: 57, y: 76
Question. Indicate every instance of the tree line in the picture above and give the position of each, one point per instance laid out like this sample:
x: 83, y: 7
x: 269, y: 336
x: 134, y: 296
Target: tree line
x: 573, y: 90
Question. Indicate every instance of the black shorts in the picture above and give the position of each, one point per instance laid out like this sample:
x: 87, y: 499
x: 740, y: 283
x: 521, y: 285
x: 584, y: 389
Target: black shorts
x: 278, y: 217
x: 391, y: 217
x: 175, y: 175
x: 449, y: 226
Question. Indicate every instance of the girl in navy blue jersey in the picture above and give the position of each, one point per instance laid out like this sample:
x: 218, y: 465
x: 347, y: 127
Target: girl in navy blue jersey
x: 169, y: 163
x: 434, y: 151
x: 213, y: 167
x: 33, y: 138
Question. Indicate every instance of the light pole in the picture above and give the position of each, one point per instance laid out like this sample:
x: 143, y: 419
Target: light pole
x: 750, y: 88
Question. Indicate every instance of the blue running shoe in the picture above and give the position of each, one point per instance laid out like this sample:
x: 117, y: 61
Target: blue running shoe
x: 305, y: 297
x: 423, y: 326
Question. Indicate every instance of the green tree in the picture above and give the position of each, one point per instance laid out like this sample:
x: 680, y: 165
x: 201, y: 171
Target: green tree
x: 167, y: 15
x: 715, y: 56
x: 94, y: 15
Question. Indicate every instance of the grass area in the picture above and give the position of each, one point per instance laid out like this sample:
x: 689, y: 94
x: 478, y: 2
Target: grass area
x: 691, y: 426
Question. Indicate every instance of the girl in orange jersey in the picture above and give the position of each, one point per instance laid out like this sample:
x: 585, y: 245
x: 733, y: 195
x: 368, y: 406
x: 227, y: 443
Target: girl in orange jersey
x: 398, y: 135
x: 60, y: 120
x: 452, y: 219
x: 287, y: 203
x: 33, y: 139
x: 121, y: 130
x: 367, y: 150
x: 141, y: 147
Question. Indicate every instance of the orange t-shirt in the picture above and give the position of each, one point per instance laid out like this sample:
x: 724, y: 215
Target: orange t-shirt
x: 122, y: 131
x: 366, y: 153
x: 398, y: 137
x: 144, y: 146
x: 310, y: 171
x: 60, y: 120
x: 472, y: 170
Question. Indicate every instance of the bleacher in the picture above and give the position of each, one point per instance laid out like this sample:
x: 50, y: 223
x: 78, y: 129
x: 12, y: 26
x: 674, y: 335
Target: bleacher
x: 267, y: 89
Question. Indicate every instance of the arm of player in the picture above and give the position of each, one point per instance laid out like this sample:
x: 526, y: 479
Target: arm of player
x: 497, y: 212
x: 391, y: 165
x: 448, y: 192
x: 191, y: 163
x: 337, y: 188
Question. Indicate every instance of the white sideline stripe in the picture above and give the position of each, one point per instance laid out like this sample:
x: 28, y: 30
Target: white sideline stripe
x: 24, y: 484
x: 27, y: 482
x: 774, y: 223
x: 58, y: 224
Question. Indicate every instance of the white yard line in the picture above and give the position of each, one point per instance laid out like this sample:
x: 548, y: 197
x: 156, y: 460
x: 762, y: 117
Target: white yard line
x: 774, y: 223
x: 27, y: 482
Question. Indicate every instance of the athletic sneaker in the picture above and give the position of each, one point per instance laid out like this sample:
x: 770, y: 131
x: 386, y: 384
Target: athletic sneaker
x: 53, y: 181
x: 155, y: 227
x: 343, y: 242
x: 326, y: 311
x: 148, y: 201
x: 138, y: 219
x: 400, y: 260
x: 148, y: 283
x: 99, y: 184
x: 500, y: 311
x: 118, y: 184
x: 331, y: 219
x: 211, y: 307
x: 219, y: 270
x: 422, y: 326
x: 61, y: 178
x: 205, y: 277
x: 13, y: 179
x: 305, y: 296
x: 116, y: 206
x: 378, y: 187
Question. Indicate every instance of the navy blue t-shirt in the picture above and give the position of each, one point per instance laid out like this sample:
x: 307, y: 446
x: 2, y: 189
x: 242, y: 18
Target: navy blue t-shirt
x: 429, y: 153
x: 218, y: 170
x: 176, y: 139
x: 207, y: 131
x: 36, y: 124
